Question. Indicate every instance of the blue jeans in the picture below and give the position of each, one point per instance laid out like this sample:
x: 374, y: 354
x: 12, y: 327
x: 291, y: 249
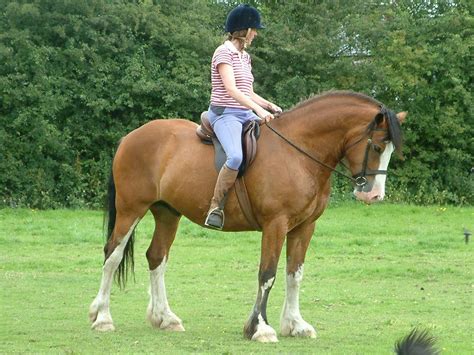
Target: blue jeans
x: 227, y: 123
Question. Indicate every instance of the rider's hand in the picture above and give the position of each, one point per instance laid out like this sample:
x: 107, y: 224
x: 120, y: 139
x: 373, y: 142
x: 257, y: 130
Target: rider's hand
x: 274, y: 108
x: 264, y: 115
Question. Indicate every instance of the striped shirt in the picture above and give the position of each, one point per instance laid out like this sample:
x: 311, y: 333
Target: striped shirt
x: 242, y: 66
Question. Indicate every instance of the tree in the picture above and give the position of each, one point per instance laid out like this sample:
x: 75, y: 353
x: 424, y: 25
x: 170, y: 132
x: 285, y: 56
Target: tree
x: 78, y: 75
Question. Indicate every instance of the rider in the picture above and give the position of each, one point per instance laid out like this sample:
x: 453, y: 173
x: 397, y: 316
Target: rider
x: 233, y: 100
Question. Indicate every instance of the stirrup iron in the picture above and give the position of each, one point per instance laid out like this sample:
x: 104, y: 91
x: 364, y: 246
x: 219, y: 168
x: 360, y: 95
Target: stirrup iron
x: 215, y: 219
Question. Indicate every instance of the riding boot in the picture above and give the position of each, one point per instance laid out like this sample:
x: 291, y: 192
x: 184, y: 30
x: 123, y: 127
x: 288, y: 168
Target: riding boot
x: 225, y: 180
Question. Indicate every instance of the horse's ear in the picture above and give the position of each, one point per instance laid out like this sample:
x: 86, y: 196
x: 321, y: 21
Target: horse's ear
x: 401, y: 116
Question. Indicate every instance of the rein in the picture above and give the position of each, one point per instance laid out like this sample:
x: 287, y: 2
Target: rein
x: 360, y: 179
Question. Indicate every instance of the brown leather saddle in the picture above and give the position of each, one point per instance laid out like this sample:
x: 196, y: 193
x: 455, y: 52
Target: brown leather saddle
x: 250, y: 134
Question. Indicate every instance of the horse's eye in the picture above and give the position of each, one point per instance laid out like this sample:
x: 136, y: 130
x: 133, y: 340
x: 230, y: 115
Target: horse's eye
x: 377, y: 148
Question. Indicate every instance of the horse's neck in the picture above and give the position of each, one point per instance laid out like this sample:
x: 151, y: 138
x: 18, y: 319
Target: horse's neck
x: 319, y: 129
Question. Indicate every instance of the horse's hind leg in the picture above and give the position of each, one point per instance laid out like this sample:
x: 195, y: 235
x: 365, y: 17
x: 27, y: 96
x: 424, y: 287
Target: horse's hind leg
x: 159, y: 313
x: 99, y: 312
x: 291, y: 322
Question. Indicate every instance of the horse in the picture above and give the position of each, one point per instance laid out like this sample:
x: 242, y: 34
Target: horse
x: 163, y: 167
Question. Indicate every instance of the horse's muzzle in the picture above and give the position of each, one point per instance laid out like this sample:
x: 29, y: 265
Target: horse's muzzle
x: 369, y: 197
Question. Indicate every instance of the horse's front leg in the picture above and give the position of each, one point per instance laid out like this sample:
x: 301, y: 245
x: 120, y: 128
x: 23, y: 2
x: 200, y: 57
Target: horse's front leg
x: 257, y: 327
x: 292, y: 324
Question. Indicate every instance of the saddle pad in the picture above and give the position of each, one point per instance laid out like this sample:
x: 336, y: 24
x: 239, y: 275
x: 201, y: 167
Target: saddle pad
x: 219, y: 155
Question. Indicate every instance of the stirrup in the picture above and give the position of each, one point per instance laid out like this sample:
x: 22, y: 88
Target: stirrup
x: 215, y: 219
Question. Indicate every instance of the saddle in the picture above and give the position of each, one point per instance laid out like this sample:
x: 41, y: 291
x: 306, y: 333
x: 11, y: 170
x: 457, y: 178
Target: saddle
x: 250, y: 134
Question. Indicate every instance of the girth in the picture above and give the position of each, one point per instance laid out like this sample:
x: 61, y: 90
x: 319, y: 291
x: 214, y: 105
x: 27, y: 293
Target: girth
x: 250, y: 134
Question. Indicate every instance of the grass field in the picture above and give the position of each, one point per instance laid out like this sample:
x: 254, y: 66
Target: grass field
x: 372, y: 273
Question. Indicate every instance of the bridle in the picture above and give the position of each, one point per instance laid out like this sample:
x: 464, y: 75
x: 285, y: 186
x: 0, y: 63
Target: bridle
x: 359, y: 179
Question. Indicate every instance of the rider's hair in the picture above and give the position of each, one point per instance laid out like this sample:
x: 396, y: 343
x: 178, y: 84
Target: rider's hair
x: 239, y: 35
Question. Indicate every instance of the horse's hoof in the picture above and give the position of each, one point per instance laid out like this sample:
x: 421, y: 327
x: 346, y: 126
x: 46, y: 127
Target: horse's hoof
x: 165, y: 321
x: 174, y: 327
x: 265, y: 337
x: 301, y: 329
x: 265, y: 334
x: 103, y: 326
x: 305, y: 333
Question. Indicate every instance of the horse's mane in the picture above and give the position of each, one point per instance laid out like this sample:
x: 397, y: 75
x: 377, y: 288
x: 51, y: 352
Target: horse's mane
x: 332, y: 93
x: 394, y: 129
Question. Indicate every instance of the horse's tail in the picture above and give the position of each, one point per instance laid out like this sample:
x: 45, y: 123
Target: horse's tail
x: 418, y: 342
x: 127, y: 263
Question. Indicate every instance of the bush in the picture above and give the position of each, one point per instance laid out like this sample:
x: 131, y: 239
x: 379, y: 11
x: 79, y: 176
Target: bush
x: 78, y: 75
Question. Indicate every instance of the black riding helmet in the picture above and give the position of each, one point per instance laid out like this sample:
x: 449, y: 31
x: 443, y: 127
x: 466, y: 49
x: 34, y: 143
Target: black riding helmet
x: 243, y: 17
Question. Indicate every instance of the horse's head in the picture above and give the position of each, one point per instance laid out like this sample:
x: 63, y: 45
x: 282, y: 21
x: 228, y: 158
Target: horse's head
x: 368, y: 157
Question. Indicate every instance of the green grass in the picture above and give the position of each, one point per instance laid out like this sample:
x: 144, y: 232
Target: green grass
x: 372, y: 273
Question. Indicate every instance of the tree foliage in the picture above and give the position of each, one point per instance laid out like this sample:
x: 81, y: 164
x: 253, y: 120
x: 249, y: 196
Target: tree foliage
x: 77, y: 75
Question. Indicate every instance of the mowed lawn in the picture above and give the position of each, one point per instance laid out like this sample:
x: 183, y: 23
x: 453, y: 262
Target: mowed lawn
x: 372, y: 273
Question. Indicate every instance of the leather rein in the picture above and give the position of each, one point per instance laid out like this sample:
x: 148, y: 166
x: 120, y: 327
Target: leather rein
x: 359, y: 179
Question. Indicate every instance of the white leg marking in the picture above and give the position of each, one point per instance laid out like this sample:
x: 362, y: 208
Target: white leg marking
x: 264, y: 333
x: 267, y: 285
x: 159, y: 313
x: 291, y: 322
x: 99, y: 311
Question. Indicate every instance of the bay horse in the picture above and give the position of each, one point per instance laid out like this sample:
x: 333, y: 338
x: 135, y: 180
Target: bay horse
x: 163, y: 167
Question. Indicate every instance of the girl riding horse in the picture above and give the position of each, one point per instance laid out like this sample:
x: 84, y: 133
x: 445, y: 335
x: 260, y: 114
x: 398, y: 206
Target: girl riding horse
x: 232, y: 101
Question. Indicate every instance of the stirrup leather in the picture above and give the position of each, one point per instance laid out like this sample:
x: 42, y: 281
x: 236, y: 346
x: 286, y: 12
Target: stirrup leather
x: 215, y: 219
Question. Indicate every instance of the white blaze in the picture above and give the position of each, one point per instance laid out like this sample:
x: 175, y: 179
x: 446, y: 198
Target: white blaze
x: 383, y: 165
x: 378, y: 189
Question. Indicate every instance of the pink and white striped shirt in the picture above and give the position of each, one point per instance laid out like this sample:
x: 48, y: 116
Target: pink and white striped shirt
x: 242, y: 66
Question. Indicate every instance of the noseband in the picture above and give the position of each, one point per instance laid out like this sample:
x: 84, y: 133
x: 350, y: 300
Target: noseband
x: 359, y: 179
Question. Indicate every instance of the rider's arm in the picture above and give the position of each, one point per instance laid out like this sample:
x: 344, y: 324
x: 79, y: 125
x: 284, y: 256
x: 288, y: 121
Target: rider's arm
x: 265, y: 103
x: 227, y: 74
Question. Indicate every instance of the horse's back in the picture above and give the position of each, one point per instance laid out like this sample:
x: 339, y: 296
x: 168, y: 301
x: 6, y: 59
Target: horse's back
x: 154, y: 135
x: 160, y: 130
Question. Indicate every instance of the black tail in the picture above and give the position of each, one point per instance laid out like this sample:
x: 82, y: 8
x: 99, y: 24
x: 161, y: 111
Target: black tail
x: 127, y: 263
x: 418, y: 342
